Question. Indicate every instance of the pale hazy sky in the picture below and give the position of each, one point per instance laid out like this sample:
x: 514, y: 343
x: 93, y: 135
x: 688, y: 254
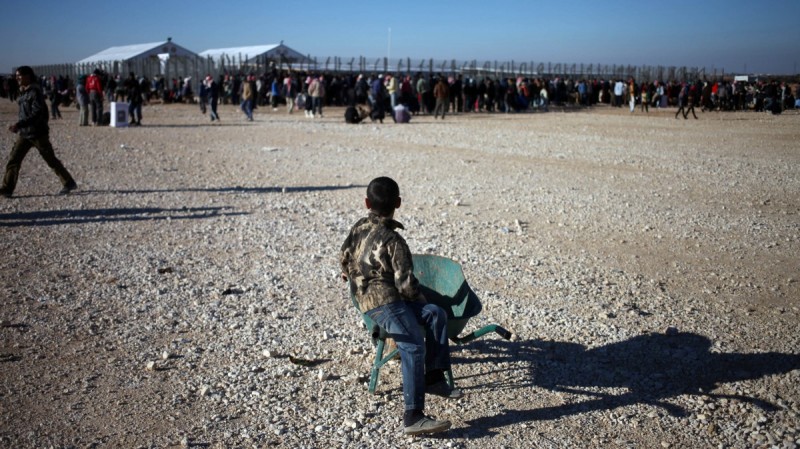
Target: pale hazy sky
x: 734, y: 35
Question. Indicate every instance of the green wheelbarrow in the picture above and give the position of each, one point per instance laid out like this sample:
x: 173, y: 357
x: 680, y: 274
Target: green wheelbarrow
x: 442, y: 282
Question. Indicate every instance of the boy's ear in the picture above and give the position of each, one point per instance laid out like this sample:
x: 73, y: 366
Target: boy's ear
x: 397, y: 204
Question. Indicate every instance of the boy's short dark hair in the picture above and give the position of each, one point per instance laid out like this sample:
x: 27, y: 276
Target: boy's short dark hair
x: 383, y: 193
x: 26, y: 71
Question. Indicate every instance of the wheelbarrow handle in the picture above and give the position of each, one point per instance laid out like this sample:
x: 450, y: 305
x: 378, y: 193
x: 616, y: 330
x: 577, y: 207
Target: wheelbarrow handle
x: 503, y: 333
x: 483, y: 331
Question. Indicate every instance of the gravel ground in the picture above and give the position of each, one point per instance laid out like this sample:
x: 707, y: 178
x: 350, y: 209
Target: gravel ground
x: 647, y: 266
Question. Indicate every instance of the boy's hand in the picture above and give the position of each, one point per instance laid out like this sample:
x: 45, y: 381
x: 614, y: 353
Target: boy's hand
x: 344, y: 277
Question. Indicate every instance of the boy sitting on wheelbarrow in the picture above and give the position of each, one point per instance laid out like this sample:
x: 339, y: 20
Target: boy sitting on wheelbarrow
x: 376, y: 260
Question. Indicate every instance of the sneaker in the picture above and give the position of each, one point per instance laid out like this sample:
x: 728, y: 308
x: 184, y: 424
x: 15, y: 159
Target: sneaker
x: 5, y: 192
x: 442, y: 389
x: 426, y: 425
x: 68, y: 188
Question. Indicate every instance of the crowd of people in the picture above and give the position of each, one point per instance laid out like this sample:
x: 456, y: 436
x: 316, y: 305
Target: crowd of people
x: 380, y: 95
x: 770, y: 96
x: 88, y: 93
x: 439, y: 95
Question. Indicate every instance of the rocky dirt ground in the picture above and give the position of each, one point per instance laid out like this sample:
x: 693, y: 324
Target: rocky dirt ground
x: 647, y: 266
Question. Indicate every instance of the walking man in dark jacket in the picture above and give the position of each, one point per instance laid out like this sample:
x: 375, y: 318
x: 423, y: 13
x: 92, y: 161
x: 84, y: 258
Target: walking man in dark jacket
x: 33, y: 131
x: 134, y: 91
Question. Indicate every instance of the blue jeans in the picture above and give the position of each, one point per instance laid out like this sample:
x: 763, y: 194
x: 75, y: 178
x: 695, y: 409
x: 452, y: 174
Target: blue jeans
x: 96, y: 104
x: 247, y: 108
x: 418, y: 353
x: 214, y: 115
x: 317, y: 106
x: 135, y: 112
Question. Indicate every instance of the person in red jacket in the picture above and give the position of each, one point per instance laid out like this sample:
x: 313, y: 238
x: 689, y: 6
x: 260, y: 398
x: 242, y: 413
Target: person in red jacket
x: 95, y: 89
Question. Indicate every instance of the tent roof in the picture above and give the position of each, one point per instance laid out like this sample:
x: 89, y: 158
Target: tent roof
x: 253, y: 51
x: 127, y: 52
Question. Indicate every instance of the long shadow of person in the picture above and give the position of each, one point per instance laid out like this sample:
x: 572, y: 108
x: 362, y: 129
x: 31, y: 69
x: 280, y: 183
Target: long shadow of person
x: 647, y: 369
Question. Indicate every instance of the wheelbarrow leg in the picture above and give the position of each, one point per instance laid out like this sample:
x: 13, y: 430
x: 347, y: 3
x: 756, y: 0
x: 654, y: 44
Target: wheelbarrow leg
x: 376, y: 365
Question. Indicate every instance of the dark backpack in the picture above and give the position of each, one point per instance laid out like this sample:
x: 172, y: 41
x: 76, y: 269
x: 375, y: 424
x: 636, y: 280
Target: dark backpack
x: 351, y: 115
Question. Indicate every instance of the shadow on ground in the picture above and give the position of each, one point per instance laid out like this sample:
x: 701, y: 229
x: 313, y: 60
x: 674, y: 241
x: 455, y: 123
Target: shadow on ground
x: 231, y: 189
x: 649, y: 368
x: 82, y: 216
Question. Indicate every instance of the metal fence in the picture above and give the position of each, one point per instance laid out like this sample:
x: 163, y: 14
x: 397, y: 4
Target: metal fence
x: 512, y: 69
x: 199, y: 67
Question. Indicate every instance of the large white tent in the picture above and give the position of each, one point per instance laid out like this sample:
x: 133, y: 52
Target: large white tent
x: 156, y: 58
x: 161, y: 50
x: 250, y: 54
